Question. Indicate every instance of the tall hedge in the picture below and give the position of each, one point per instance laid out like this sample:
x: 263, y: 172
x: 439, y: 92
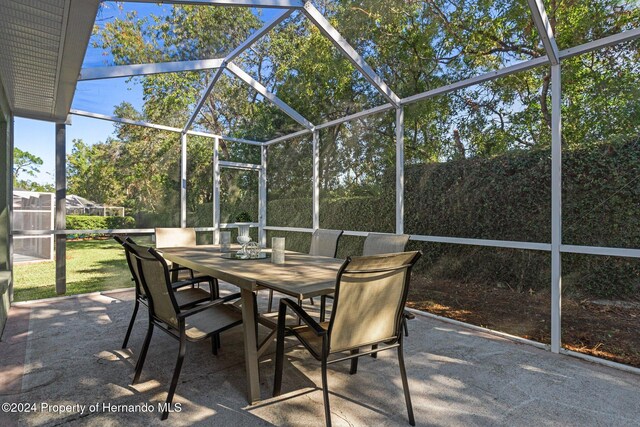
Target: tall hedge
x: 508, y: 197
x: 94, y: 222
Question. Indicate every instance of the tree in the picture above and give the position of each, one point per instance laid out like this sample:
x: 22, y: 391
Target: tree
x: 25, y: 162
x: 29, y: 164
x: 93, y: 172
x: 415, y: 46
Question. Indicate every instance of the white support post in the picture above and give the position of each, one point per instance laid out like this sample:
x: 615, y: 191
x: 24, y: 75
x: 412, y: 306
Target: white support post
x: 316, y: 179
x: 216, y: 192
x: 262, y: 216
x: 556, y: 208
x: 183, y: 180
x: 400, y: 170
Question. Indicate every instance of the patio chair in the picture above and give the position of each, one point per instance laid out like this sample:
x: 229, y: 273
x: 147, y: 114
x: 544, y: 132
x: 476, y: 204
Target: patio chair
x: 187, y: 296
x: 375, y: 244
x: 176, y: 238
x: 368, y: 310
x: 378, y: 243
x: 198, y: 323
x: 323, y: 243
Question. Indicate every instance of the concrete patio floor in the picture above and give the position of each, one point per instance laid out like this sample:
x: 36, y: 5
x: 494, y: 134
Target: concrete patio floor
x: 67, y: 352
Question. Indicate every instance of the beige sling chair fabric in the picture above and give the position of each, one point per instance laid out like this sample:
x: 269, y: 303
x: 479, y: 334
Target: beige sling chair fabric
x: 371, y: 292
x: 377, y: 243
x: 175, y: 237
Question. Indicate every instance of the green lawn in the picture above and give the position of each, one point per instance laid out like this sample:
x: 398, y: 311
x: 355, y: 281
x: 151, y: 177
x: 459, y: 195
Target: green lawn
x: 92, y: 265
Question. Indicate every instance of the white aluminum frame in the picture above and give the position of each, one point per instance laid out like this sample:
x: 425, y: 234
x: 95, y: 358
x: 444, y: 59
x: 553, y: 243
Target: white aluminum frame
x: 160, y: 127
x: 556, y: 248
x: 262, y: 198
x: 183, y: 180
x: 258, y: 87
x: 541, y: 20
x: 216, y: 191
x: 343, y: 46
x: 203, y: 99
x: 134, y: 70
x: 316, y: 180
x: 226, y: 62
x: 400, y: 170
x: 274, y: 4
x: 556, y: 207
x: 553, y: 58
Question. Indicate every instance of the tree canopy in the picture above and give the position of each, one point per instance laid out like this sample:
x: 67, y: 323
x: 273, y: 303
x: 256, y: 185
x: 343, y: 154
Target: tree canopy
x: 413, y: 45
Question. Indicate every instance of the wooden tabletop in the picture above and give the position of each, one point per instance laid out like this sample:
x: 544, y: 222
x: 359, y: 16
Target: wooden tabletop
x: 302, y: 275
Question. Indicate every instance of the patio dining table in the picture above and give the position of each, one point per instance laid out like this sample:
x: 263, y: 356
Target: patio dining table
x: 302, y: 276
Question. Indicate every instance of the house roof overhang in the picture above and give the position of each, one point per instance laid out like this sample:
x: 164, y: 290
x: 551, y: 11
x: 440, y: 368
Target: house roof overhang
x: 42, y: 46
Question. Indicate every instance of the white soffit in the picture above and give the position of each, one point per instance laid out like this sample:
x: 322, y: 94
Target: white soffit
x: 42, y: 46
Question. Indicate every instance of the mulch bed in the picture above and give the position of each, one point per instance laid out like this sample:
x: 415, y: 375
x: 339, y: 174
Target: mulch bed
x: 605, y: 329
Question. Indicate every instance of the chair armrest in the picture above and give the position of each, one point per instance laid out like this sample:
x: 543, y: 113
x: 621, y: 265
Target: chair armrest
x: 308, y: 320
x: 187, y: 282
x: 205, y: 306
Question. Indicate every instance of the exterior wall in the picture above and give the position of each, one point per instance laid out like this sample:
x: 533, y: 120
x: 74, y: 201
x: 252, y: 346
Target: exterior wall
x: 6, y: 161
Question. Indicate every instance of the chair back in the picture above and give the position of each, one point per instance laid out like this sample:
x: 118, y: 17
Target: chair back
x: 378, y: 243
x: 132, y: 263
x: 175, y: 237
x: 154, y: 277
x: 325, y: 243
x: 369, y: 300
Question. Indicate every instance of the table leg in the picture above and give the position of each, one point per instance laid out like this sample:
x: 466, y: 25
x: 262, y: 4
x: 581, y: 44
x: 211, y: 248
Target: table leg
x: 250, y: 345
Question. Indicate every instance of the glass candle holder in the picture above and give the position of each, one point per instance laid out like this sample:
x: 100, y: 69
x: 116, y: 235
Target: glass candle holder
x: 277, y: 250
x: 225, y: 241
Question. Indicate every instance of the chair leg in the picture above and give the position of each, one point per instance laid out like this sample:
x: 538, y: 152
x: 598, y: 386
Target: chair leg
x: 176, y: 375
x: 374, y: 355
x: 214, y: 344
x: 323, y: 307
x: 277, y: 378
x: 325, y: 393
x: 354, y: 362
x: 270, y: 304
x: 405, y: 327
x: 311, y: 301
x: 133, y: 318
x: 143, y: 353
x: 300, y: 304
x: 405, y: 383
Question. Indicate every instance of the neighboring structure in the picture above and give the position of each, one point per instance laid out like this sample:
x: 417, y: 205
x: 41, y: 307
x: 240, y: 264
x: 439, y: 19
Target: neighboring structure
x: 77, y: 205
x: 36, y: 211
x: 33, y: 211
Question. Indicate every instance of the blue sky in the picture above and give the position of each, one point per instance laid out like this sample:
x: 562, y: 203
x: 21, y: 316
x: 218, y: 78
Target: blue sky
x: 38, y: 137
